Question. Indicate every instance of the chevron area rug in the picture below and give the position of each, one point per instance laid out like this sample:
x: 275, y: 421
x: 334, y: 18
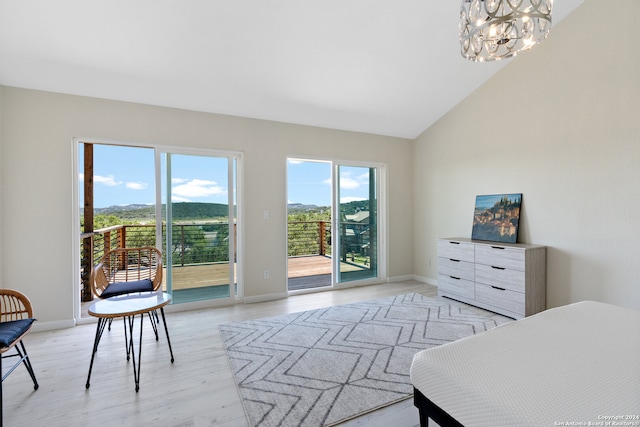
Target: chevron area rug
x: 322, y: 367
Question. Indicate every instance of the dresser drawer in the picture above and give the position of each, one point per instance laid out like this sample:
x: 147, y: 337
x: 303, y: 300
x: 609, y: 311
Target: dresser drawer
x: 461, y: 287
x: 455, y: 268
x: 501, y: 298
x: 501, y: 277
x: 456, y: 250
x: 500, y: 256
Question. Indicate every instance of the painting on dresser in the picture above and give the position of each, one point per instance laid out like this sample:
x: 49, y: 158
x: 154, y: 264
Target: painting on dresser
x: 496, y: 218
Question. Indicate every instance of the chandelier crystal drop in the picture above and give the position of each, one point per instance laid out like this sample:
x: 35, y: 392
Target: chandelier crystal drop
x: 491, y: 30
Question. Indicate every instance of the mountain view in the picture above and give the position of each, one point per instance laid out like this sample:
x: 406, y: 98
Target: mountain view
x: 198, y: 211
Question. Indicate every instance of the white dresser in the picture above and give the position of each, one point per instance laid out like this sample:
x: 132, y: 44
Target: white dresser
x: 507, y: 278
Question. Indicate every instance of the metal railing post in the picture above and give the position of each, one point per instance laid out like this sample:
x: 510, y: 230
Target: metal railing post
x: 322, y: 237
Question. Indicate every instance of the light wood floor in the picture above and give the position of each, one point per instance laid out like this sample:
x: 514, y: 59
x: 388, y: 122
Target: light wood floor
x: 197, y: 390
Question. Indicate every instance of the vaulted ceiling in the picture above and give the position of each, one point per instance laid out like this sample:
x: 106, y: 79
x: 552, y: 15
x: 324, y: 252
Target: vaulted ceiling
x: 382, y: 67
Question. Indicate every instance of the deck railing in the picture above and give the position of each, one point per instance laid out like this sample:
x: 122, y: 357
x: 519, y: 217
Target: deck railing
x: 190, y: 244
x: 355, y: 242
x: 314, y: 238
x: 194, y: 244
x: 309, y: 238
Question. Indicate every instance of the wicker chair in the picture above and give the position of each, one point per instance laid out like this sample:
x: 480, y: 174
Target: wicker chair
x: 16, y: 318
x: 127, y: 270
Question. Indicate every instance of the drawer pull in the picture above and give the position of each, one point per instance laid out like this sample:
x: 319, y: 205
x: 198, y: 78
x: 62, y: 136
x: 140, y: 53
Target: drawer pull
x: 456, y: 278
x: 500, y: 289
x: 498, y: 268
x: 497, y: 247
x: 455, y: 243
x: 454, y: 260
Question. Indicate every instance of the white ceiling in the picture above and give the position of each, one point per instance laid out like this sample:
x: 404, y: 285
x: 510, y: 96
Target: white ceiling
x: 383, y: 67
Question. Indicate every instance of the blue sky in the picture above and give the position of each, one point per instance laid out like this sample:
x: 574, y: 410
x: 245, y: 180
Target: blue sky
x: 309, y: 183
x: 125, y: 175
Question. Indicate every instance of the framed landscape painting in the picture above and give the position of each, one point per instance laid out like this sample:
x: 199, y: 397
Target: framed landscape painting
x: 496, y: 218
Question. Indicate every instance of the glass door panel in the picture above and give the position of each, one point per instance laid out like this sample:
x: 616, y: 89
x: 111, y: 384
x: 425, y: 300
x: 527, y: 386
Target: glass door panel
x: 357, y: 223
x: 309, y: 261
x: 200, y: 232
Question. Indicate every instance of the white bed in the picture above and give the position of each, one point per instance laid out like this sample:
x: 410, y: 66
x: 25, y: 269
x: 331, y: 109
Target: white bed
x: 565, y: 366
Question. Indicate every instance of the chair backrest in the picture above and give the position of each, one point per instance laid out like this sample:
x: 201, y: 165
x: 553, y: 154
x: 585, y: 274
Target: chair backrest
x: 14, y: 305
x: 126, y: 265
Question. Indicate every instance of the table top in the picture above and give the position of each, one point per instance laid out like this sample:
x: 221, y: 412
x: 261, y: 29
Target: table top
x: 129, y: 304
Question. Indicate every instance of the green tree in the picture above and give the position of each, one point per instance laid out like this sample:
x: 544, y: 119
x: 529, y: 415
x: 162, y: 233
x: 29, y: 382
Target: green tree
x: 102, y: 221
x: 303, y: 231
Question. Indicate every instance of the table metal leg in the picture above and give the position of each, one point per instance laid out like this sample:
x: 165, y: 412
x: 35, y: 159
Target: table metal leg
x: 102, y: 322
x: 136, y: 366
x: 127, y: 341
x: 167, y: 332
x: 153, y: 319
x: 143, y: 306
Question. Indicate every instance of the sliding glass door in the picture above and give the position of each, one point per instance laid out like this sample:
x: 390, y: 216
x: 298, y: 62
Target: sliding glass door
x: 333, y: 223
x: 309, y: 261
x: 182, y: 202
x: 200, y: 232
x: 357, y: 223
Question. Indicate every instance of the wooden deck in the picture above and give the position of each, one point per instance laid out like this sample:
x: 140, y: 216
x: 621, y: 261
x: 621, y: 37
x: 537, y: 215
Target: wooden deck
x: 305, y: 272
x: 309, y: 265
x: 197, y: 276
x: 313, y: 271
x: 218, y: 274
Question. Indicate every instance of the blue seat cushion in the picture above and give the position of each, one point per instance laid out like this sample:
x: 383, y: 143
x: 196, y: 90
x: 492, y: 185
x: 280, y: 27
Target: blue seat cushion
x: 121, y: 288
x: 10, y: 331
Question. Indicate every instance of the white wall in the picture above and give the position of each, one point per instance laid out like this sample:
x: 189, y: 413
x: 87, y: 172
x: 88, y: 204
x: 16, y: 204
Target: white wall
x: 1, y: 180
x: 37, y: 178
x: 561, y: 125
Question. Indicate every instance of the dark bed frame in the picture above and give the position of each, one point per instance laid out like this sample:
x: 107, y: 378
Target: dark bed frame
x: 428, y: 409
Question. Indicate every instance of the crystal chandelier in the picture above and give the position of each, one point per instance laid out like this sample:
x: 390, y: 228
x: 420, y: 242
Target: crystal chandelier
x: 491, y: 30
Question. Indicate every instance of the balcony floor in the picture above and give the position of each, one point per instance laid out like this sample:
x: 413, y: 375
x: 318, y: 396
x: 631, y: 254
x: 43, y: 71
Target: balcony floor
x: 314, y: 271
x: 197, y: 282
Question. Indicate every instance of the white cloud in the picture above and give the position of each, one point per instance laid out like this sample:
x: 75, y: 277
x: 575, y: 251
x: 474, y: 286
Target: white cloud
x: 196, y: 188
x: 348, y: 183
x: 178, y: 180
x: 108, y: 180
x: 136, y: 185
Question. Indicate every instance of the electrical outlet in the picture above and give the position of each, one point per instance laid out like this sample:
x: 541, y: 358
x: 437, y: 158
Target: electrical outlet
x: 265, y: 274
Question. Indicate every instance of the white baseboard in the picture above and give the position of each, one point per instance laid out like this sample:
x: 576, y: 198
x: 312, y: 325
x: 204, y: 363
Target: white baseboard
x: 400, y: 278
x: 50, y: 326
x: 265, y: 297
x: 426, y: 280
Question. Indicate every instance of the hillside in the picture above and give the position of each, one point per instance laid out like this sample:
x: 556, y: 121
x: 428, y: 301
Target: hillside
x: 181, y: 211
x: 198, y: 211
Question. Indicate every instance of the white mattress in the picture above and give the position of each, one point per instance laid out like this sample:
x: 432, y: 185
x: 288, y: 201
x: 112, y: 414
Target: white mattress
x: 572, y: 365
